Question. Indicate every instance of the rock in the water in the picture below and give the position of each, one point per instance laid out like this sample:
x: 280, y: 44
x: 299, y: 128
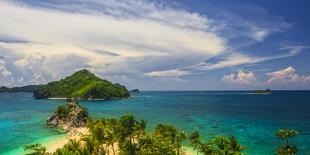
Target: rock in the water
x: 68, y: 116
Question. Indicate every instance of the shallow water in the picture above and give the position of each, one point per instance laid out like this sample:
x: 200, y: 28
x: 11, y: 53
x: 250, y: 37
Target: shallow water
x: 252, y: 118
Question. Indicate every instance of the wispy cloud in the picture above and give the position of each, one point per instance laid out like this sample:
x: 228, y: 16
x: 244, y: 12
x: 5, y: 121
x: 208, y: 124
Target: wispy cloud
x: 168, y: 73
x: 233, y: 59
x: 10, y: 39
x: 293, y: 50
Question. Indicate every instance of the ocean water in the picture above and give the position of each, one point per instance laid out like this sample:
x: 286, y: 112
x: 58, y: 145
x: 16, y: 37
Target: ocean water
x: 251, y: 118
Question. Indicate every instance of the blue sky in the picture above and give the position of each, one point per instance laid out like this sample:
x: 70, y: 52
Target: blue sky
x: 158, y: 45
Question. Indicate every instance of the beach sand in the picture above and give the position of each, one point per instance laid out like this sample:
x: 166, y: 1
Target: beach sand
x: 77, y: 133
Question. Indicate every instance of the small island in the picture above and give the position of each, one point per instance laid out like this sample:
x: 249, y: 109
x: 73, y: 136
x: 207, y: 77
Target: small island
x: 82, y: 85
x: 267, y: 91
x: 135, y: 91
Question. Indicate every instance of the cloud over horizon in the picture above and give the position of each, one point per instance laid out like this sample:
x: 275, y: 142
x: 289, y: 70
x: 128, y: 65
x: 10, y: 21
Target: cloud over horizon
x: 240, y: 78
x: 286, y: 76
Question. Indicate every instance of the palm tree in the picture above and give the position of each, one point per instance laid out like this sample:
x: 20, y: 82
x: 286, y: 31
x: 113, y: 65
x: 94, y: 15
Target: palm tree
x: 194, y: 140
x: 147, y: 145
x: 235, y: 146
x: 126, y: 133
x: 98, y: 133
x: 140, y: 128
x: 36, y: 149
x: 180, y: 137
x: 112, y: 132
x: 286, y: 148
x: 224, y: 145
x: 165, y: 135
x: 74, y: 145
x: 89, y: 144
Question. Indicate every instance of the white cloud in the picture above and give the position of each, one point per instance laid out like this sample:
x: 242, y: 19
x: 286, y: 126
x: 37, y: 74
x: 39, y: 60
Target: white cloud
x: 3, y: 70
x: 167, y: 73
x: 240, y: 78
x: 57, y: 38
x: 287, y: 75
x: 295, y: 49
x: 6, y: 76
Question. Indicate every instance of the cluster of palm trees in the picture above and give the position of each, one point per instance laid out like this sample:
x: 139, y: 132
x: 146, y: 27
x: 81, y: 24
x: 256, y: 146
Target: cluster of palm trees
x: 220, y: 145
x: 127, y: 136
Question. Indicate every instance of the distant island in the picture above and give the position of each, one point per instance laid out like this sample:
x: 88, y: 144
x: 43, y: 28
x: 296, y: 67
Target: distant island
x: 135, y: 91
x: 29, y: 88
x: 267, y: 91
x: 83, y: 85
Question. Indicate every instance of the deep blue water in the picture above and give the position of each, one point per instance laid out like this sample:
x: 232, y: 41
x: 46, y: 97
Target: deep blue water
x: 252, y: 118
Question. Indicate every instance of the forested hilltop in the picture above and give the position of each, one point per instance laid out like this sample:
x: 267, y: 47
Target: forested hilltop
x: 84, y: 85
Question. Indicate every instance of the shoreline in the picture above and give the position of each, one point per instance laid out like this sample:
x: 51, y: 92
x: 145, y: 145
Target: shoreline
x: 77, y: 134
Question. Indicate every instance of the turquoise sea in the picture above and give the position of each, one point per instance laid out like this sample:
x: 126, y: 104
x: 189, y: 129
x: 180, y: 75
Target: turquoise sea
x: 252, y: 118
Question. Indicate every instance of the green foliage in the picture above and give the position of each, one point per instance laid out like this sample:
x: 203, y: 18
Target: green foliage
x: 62, y: 111
x: 284, y: 134
x: 225, y: 145
x: 82, y: 84
x: 285, y: 147
x: 194, y: 140
x: 35, y: 149
x: 221, y: 145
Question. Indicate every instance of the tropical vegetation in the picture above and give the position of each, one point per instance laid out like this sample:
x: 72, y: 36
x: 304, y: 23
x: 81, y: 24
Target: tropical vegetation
x: 127, y: 136
x: 286, y: 148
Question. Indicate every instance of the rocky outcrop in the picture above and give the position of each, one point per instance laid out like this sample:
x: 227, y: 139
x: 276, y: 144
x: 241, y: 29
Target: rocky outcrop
x: 68, y: 116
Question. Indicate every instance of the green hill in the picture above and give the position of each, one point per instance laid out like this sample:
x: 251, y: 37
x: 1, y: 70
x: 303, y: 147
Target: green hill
x: 82, y: 84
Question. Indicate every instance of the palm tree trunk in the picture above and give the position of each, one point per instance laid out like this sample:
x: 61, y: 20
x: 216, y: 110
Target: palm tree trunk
x: 113, y: 148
